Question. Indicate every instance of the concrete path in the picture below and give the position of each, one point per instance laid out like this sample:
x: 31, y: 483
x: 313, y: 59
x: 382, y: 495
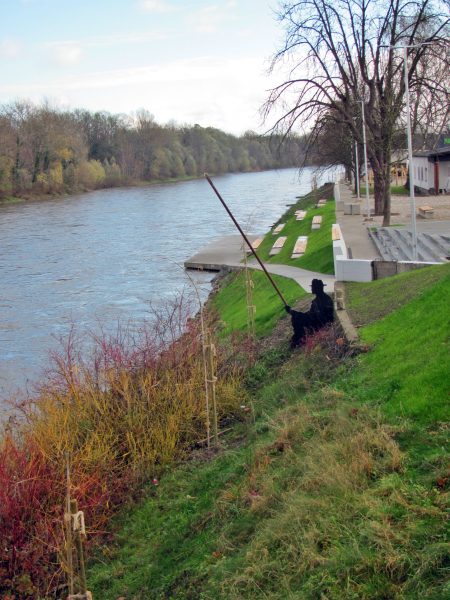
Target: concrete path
x: 227, y: 252
x: 354, y: 229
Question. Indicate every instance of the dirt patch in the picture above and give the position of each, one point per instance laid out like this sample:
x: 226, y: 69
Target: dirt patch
x: 401, y: 209
x: 282, y: 332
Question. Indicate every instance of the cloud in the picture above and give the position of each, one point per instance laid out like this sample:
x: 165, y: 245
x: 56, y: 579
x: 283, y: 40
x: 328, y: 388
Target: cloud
x: 10, y: 48
x: 185, y: 71
x: 157, y: 6
x: 209, y: 18
x: 66, y: 54
x: 109, y: 40
x: 225, y: 93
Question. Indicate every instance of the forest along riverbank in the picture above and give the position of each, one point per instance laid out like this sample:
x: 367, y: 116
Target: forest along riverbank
x: 94, y: 259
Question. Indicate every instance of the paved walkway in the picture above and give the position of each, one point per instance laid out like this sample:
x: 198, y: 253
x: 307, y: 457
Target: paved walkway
x: 227, y: 252
x: 354, y: 229
x: 400, y: 214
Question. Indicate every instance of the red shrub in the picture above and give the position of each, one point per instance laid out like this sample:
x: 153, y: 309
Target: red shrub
x: 30, y: 517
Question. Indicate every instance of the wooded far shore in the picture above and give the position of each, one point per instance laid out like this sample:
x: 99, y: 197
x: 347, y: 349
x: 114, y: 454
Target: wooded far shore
x: 46, y: 151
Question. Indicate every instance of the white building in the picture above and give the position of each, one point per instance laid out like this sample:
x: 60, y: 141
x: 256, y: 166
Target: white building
x: 432, y: 168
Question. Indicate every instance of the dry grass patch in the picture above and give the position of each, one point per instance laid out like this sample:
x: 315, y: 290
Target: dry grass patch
x: 339, y: 520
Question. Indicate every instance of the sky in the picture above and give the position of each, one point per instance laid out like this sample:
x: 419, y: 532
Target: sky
x: 188, y: 61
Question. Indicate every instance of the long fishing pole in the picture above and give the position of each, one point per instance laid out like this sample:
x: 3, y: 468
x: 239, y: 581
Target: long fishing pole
x: 208, y: 179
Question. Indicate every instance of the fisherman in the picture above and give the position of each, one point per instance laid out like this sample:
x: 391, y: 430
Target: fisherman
x: 320, y: 313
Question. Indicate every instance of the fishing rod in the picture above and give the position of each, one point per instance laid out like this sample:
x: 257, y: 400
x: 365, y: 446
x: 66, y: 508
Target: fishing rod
x: 208, y: 179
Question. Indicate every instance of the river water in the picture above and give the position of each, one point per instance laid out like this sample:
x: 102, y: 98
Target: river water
x: 103, y: 256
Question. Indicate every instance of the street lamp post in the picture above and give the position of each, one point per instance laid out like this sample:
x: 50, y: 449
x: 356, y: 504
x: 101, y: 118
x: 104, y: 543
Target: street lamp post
x: 412, y: 199
x: 365, y: 158
x: 357, y: 170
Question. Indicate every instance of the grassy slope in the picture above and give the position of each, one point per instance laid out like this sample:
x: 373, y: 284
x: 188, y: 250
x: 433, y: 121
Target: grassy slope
x: 327, y: 494
x: 231, y: 305
x: 408, y: 366
x: 319, y: 252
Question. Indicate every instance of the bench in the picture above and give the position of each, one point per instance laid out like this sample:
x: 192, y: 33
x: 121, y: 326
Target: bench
x: 255, y: 245
x: 300, y: 246
x: 300, y: 215
x: 278, y: 228
x: 335, y: 232
x: 426, y: 212
x: 352, y: 208
x: 316, y: 222
x: 279, y: 243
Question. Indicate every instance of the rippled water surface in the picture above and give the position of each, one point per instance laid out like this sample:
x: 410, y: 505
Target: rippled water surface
x: 103, y: 256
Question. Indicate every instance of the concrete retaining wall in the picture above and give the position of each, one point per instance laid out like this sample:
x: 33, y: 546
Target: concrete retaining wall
x: 353, y: 269
x: 349, y: 269
x: 387, y: 268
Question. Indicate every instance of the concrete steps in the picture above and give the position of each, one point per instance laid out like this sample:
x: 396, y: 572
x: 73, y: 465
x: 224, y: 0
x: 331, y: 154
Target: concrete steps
x: 396, y: 244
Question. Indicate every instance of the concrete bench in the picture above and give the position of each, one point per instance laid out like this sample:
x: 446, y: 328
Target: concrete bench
x: 316, y: 222
x: 426, y: 212
x: 279, y: 243
x: 255, y: 245
x: 300, y: 246
x: 278, y: 228
x: 300, y: 215
x: 335, y: 232
x: 352, y: 208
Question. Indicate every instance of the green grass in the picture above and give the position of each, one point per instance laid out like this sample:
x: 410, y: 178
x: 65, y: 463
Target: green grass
x: 407, y: 368
x: 329, y: 491
x: 399, y: 190
x: 369, y: 302
x: 319, y: 251
x: 231, y: 304
x: 396, y: 190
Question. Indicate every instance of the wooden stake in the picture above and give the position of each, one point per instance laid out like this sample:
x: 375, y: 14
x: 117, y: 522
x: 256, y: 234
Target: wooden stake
x: 212, y: 385
x: 77, y: 533
x: 68, y: 526
x: 249, y: 297
x: 205, y: 374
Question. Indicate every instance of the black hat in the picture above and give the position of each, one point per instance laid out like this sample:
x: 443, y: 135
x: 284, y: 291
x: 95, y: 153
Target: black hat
x: 318, y: 283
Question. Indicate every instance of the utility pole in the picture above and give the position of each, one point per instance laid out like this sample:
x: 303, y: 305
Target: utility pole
x: 366, y: 167
x: 358, y: 195
x: 412, y: 199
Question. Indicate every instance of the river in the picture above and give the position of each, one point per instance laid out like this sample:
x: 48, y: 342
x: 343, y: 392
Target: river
x: 103, y: 256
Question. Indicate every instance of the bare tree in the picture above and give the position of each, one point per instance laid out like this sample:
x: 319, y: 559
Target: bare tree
x: 343, y: 52
x: 430, y: 107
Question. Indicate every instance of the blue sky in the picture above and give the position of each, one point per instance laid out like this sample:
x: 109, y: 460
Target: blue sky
x: 193, y: 61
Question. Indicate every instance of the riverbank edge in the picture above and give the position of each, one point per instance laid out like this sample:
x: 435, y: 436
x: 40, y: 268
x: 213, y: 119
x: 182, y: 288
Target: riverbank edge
x: 125, y: 499
x: 7, y: 200
x: 182, y: 496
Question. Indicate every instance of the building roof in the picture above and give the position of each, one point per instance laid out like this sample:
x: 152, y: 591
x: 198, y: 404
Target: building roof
x: 442, y: 150
x: 438, y: 152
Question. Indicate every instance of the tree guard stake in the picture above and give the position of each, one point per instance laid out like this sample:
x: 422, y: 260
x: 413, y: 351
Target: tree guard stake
x: 208, y: 179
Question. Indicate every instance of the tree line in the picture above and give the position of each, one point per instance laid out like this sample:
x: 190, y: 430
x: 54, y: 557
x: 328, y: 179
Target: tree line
x: 46, y: 150
x: 351, y: 58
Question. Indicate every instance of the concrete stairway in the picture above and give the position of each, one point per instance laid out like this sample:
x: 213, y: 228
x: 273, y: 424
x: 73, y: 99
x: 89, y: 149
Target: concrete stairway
x: 396, y: 244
